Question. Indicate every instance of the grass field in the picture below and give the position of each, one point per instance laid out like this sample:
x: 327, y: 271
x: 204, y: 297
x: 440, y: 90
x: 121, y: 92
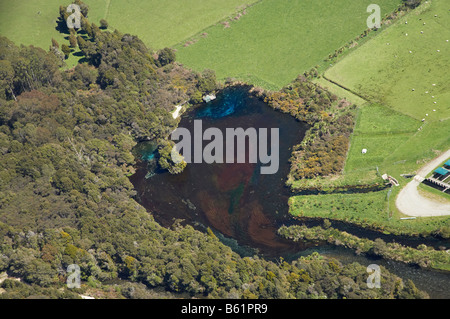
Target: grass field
x: 342, y: 93
x: 276, y: 40
x: 381, y: 131
x: 166, y: 23
x: 367, y: 209
x: 398, y: 142
x: 390, y: 127
x: 402, y: 67
x: 30, y: 22
x: 396, y: 147
x: 157, y: 23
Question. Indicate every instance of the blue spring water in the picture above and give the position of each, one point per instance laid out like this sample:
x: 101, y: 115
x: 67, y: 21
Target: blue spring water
x: 147, y: 151
x: 148, y: 156
x: 226, y: 104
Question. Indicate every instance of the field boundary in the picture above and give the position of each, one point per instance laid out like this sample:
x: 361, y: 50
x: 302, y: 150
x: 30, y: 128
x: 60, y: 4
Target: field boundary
x: 345, y: 88
x: 108, y: 5
x: 180, y: 43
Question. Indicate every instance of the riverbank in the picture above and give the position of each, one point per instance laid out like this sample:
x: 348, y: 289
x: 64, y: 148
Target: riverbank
x: 423, y: 256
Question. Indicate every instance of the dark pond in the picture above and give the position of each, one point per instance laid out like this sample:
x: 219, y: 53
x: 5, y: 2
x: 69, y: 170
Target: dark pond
x: 242, y: 206
x: 234, y: 199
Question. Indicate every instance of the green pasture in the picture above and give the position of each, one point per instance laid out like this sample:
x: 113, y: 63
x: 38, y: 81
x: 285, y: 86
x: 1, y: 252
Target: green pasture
x: 337, y: 90
x: 406, y: 67
x: 166, y: 23
x: 403, y: 128
x: 276, y: 40
x: 157, y: 23
x: 31, y: 22
x: 365, y: 209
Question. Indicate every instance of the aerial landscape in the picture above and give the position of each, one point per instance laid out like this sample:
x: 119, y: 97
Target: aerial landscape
x: 240, y: 149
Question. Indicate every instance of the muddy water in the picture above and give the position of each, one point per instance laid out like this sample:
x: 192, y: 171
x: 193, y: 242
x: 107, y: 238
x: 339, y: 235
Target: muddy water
x: 242, y: 206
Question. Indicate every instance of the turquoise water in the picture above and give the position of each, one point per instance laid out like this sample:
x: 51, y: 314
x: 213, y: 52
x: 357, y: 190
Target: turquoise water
x: 226, y: 104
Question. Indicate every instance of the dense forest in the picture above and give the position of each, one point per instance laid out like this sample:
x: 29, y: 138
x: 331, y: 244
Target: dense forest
x: 66, y: 141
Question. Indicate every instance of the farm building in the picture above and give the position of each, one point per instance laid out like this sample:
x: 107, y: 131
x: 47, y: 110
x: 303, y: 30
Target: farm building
x: 440, y: 178
x: 441, y: 173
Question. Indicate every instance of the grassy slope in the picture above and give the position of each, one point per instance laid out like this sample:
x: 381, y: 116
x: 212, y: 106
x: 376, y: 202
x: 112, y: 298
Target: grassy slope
x: 278, y: 39
x: 393, y: 139
x: 380, y: 131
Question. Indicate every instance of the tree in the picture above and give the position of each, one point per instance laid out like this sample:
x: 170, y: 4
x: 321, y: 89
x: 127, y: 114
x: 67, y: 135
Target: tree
x: 72, y: 40
x: 95, y: 30
x: 103, y: 24
x: 166, y: 56
x: 81, y: 42
x: 6, y: 78
x: 412, y: 3
x: 85, y: 74
x: 66, y: 50
x: 167, y: 158
x: 207, y: 81
x: 379, y: 247
x: 83, y: 7
x: 55, y: 43
x: 86, y: 26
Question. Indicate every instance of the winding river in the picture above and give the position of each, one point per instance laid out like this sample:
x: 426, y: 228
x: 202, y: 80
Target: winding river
x: 242, y: 206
